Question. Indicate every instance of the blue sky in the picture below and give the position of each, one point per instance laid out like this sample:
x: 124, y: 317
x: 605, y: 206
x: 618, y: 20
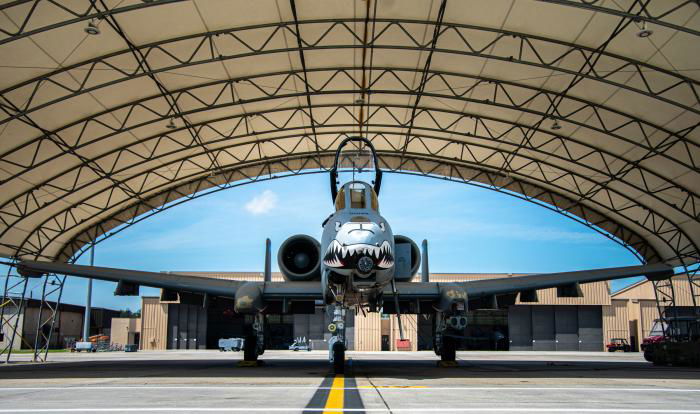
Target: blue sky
x: 469, y: 229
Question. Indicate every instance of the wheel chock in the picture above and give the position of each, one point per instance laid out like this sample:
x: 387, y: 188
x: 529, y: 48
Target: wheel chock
x: 247, y: 364
x: 447, y: 364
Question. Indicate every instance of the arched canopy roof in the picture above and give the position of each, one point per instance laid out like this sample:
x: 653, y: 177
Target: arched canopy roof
x: 561, y: 101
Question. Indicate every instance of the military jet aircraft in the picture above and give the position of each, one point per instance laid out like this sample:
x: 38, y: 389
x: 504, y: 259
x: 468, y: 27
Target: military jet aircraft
x: 360, y: 265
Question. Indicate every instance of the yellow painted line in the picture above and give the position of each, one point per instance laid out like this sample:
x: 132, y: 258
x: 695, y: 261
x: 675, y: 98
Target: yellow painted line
x: 335, y: 401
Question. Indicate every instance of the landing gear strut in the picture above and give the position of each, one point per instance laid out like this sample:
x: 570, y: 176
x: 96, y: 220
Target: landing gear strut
x: 336, y: 349
x: 255, y: 341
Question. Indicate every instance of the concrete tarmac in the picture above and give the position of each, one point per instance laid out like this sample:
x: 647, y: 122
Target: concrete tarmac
x: 382, y: 382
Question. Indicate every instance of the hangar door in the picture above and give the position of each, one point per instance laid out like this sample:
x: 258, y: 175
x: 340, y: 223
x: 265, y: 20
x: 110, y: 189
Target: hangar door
x: 187, y: 326
x: 555, y: 328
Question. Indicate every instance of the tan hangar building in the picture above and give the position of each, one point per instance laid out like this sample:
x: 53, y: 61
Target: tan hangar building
x: 552, y: 324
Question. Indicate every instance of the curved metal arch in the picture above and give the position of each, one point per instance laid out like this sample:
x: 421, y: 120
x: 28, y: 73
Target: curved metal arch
x: 499, y: 86
x: 93, y: 13
x: 205, y: 47
x: 612, y: 176
x: 89, y: 14
x: 559, y: 168
x: 659, y: 222
x: 207, y: 185
x: 643, y: 15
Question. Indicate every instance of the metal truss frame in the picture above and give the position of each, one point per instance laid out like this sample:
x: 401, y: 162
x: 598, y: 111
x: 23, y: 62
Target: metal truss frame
x: 526, y: 49
x: 427, y: 142
x: 663, y: 17
x: 581, y: 180
x: 13, y: 295
x: 51, y: 293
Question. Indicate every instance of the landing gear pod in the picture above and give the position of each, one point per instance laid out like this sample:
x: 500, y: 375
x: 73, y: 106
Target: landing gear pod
x: 299, y: 259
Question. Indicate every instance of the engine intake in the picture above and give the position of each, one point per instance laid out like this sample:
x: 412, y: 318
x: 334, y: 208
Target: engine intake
x: 299, y: 258
x: 407, y: 258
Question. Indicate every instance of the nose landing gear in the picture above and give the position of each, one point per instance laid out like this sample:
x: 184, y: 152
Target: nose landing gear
x: 337, y: 344
x: 255, y: 341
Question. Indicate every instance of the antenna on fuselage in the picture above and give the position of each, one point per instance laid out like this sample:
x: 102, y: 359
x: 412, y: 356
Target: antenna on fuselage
x: 334, y: 170
x: 268, y: 261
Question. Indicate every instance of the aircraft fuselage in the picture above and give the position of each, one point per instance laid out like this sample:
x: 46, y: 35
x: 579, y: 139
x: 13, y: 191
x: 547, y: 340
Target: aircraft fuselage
x: 357, y: 248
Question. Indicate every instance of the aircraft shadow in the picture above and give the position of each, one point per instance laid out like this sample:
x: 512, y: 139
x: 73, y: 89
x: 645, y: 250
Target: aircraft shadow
x: 409, y: 369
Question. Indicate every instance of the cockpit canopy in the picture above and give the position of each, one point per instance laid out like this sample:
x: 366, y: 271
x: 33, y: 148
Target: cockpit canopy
x: 356, y: 195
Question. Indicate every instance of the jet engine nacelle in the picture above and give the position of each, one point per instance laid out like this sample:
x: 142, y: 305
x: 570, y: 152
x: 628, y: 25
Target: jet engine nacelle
x: 407, y: 258
x: 299, y: 258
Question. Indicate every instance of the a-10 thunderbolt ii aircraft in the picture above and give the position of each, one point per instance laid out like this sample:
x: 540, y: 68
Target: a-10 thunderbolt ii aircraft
x: 360, y: 265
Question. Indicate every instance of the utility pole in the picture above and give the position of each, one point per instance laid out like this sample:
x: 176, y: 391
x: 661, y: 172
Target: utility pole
x: 88, y: 302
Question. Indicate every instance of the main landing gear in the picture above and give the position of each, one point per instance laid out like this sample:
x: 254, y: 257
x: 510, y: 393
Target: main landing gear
x: 337, y: 344
x: 254, y: 341
x: 446, y: 330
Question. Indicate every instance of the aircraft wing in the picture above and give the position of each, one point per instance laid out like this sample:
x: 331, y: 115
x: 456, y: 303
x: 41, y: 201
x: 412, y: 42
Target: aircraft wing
x: 549, y: 280
x: 502, y: 286
x: 194, y: 284
x: 181, y: 283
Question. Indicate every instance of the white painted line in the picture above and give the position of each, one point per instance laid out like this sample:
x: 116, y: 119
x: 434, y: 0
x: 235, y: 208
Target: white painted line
x: 383, y: 410
x: 365, y: 387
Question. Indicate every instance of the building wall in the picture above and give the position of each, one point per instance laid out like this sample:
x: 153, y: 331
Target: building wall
x: 154, y: 324
x: 629, y: 313
x: 641, y: 310
x: 616, y: 321
x: 123, y: 330
x: 410, y: 330
x: 555, y: 328
x: 67, y: 328
x: 645, y: 291
x: 368, y: 332
x: 9, y: 315
x: 597, y: 293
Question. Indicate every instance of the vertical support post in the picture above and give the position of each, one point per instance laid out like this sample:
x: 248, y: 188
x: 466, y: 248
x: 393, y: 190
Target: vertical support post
x: 13, y: 300
x: 53, y: 288
x: 398, y: 310
x: 268, y: 261
x: 424, y: 270
x: 665, y: 300
x: 88, y: 300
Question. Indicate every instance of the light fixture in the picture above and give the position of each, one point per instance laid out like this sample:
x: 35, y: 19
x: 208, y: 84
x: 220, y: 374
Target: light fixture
x: 556, y: 126
x: 171, y: 124
x: 92, y: 28
x: 359, y: 101
x: 644, y: 32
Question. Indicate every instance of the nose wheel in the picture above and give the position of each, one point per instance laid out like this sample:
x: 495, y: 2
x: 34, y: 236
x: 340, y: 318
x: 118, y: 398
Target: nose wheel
x: 339, y: 358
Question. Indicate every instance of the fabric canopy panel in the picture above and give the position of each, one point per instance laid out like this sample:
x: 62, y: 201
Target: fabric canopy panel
x: 114, y: 109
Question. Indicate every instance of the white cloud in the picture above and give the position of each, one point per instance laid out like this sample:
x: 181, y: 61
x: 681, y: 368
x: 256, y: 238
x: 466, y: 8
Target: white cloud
x: 262, y: 204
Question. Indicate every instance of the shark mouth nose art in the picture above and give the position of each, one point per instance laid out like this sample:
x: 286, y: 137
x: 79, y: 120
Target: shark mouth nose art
x: 340, y: 256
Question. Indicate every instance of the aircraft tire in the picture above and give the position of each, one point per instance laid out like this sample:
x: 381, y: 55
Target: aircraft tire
x: 339, y: 358
x: 449, y: 349
x: 250, y: 352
